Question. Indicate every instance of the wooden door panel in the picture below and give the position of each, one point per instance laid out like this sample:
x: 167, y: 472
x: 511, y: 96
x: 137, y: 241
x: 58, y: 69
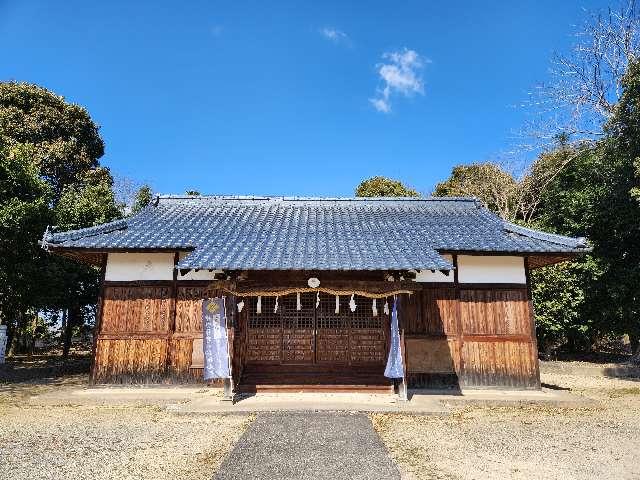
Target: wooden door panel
x: 264, y: 345
x: 264, y: 333
x: 298, y: 328
x: 313, y: 335
x: 367, y: 345
x: 332, y: 330
x: 297, y: 345
x: 368, y: 336
x: 332, y: 346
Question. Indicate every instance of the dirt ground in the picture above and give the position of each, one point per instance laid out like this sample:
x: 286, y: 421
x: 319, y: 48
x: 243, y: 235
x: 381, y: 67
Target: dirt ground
x: 601, y: 442
x: 101, y: 442
x: 90, y: 442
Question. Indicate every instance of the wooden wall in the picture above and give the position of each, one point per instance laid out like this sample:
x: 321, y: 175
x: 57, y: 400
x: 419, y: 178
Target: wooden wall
x: 147, y: 330
x: 470, y: 335
x: 467, y: 335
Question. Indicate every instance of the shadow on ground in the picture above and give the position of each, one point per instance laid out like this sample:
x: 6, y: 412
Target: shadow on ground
x: 22, y: 376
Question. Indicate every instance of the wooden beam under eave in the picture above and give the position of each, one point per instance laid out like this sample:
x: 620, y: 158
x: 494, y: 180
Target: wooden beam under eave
x: 539, y: 261
x: 94, y: 259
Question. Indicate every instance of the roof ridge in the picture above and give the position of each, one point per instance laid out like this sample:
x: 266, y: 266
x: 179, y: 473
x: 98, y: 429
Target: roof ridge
x: 573, y: 242
x: 52, y: 236
x: 318, y: 199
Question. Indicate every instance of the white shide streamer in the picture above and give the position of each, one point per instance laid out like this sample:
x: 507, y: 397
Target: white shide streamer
x: 352, y: 304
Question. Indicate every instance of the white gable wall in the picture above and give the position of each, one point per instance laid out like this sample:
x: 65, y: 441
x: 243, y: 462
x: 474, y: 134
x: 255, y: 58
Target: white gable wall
x: 123, y: 267
x: 437, y: 276
x: 471, y: 269
x: 199, y: 275
x: 139, y: 266
x: 491, y: 269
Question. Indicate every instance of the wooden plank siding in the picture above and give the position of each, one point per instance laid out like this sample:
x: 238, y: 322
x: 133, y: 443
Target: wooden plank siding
x: 466, y: 335
x: 430, y: 321
x: 471, y: 336
x: 498, y: 339
x: 146, y: 332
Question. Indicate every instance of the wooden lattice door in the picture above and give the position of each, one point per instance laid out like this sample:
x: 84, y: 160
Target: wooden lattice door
x: 332, y: 333
x: 298, y: 329
x: 368, y: 333
x: 264, y: 332
x: 313, y: 335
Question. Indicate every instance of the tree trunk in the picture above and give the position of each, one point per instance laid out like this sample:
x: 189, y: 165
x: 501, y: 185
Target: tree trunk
x: 63, y: 329
x: 18, y: 339
x: 72, y: 320
x: 32, y: 338
x: 634, y: 339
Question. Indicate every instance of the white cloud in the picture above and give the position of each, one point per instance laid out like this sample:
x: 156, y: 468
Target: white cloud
x: 400, y: 75
x: 335, y: 35
x: 381, y: 104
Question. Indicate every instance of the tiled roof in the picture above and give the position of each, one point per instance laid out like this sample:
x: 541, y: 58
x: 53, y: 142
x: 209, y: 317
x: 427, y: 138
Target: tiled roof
x: 290, y: 233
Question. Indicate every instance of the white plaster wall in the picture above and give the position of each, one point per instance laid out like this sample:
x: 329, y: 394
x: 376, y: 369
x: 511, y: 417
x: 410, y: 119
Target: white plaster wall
x: 139, y: 266
x: 491, y: 269
x: 437, y: 276
x: 199, y: 275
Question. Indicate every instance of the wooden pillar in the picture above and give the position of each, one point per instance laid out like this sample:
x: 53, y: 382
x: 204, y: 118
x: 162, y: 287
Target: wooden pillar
x: 98, y: 322
x: 230, y: 311
x: 172, y: 315
x: 532, y: 321
x: 403, y: 351
x: 459, y: 336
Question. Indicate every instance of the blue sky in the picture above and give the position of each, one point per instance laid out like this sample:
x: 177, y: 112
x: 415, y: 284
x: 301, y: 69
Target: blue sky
x: 280, y: 97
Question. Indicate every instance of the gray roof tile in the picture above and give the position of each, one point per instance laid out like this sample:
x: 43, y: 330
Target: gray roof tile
x: 277, y: 233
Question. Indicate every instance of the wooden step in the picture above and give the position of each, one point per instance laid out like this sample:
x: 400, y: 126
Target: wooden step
x: 265, y: 388
x: 318, y: 382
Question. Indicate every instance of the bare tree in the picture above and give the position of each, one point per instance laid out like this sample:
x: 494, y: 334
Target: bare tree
x: 569, y: 112
x: 511, y: 188
x: 125, y: 189
x: 533, y: 182
x: 489, y: 182
x: 585, y: 84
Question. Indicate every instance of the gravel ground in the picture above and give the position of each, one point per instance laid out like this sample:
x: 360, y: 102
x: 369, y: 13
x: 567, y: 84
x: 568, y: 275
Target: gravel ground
x: 106, y: 443
x: 92, y: 442
x: 325, y: 445
x: 24, y: 376
x: 525, y: 443
x: 473, y: 443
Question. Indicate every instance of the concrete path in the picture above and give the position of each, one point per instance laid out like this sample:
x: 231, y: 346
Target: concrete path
x: 309, y: 446
x: 201, y: 400
x: 420, y: 402
x: 126, y: 395
x: 314, y: 402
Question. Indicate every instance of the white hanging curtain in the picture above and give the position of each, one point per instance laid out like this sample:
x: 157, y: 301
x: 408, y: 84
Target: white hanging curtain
x: 395, y: 367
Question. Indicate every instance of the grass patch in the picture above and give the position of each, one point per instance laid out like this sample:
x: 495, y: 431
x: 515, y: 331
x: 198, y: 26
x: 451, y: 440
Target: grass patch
x: 621, y: 392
